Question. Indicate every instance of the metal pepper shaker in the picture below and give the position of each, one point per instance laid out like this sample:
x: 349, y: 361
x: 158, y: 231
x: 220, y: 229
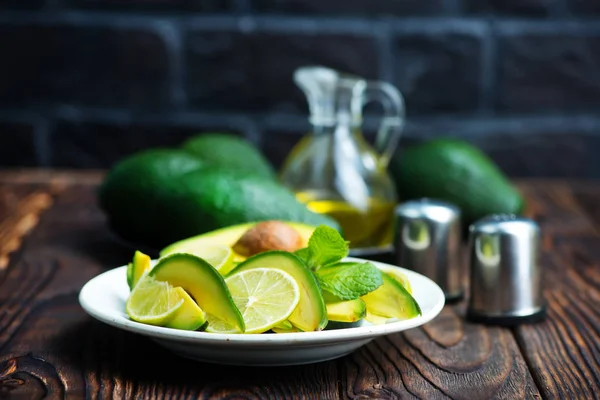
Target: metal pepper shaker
x: 427, y: 240
x: 505, y: 275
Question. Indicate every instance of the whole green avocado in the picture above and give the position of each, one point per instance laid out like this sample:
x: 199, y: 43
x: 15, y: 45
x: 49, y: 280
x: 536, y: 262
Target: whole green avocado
x: 213, y: 198
x: 230, y: 151
x: 455, y: 171
x: 158, y: 196
x: 130, y: 192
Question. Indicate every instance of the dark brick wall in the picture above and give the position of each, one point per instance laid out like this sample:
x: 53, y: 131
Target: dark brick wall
x: 86, y: 82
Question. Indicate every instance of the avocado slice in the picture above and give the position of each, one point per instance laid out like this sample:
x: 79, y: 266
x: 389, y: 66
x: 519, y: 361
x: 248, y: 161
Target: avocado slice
x: 391, y: 300
x: 189, y: 316
x: 375, y: 319
x: 310, y: 314
x: 333, y: 325
x: 280, y: 330
x: 285, y: 325
x: 203, y: 282
x: 136, y: 268
x: 344, y: 310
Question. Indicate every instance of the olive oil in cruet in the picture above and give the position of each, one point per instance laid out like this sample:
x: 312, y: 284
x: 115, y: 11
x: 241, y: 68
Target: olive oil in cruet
x: 333, y: 169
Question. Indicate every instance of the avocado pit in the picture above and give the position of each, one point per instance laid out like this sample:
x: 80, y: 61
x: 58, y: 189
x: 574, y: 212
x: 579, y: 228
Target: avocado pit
x: 266, y: 236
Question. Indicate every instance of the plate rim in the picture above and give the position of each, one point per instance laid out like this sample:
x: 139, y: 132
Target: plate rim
x: 262, y: 339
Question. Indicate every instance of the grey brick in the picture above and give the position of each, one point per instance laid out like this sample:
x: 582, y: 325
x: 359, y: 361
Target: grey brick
x: 90, y: 65
x: 439, y: 71
x: 153, y: 5
x: 361, y: 7
x: 516, y: 7
x: 584, y: 7
x: 100, y: 145
x: 253, y: 71
x: 18, y: 144
x: 21, y: 4
x: 548, y: 71
x: 537, y: 154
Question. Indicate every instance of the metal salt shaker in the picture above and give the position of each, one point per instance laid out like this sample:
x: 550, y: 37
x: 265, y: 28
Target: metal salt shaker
x: 427, y: 240
x: 505, y: 274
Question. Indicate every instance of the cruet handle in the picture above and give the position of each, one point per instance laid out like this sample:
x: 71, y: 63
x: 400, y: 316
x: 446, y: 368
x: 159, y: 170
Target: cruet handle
x: 392, y: 121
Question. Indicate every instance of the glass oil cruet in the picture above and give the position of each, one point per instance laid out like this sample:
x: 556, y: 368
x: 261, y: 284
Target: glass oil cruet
x: 334, y: 169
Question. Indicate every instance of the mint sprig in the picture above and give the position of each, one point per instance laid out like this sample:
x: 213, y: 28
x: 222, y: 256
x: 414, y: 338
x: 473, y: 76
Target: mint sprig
x: 325, y: 247
x: 346, y: 280
x: 349, y: 280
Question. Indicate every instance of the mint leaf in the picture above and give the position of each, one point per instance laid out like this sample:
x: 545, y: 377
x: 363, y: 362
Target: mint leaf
x: 349, y: 280
x: 304, y: 255
x: 325, y: 246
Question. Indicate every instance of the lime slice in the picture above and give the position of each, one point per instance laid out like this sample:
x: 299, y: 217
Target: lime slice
x: 137, y: 268
x: 265, y: 296
x: 153, y: 302
x: 400, y: 278
x: 217, y: 255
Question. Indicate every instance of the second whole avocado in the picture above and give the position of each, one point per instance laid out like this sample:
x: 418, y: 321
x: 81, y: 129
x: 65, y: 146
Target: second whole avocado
x: 453, y: 170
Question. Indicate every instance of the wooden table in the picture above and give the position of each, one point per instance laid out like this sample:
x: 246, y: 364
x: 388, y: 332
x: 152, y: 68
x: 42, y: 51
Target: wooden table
x: 53, y: 239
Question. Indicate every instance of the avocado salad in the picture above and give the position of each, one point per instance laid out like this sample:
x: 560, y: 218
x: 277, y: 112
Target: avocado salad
x: 308, y: 287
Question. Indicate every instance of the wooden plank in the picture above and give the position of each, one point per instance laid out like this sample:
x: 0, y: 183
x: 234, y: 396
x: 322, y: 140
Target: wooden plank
x: 552, y: 205
x: 587, y: 196
x: 51, y: 176
x: 20, y: 208
x: 50, y: 348
x: 446, y: 358
x: 563, y: 352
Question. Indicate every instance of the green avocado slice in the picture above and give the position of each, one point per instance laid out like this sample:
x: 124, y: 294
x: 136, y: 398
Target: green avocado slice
x: 203, y: 282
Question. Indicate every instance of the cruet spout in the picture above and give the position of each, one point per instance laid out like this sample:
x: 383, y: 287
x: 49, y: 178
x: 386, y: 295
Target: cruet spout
x: 320, y: 86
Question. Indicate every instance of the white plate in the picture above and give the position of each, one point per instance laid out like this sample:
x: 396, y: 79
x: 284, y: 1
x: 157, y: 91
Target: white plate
x: 104, y: 296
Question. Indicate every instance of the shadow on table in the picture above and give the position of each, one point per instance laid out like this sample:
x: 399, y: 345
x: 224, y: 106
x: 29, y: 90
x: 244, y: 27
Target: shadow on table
x: 107, y: 356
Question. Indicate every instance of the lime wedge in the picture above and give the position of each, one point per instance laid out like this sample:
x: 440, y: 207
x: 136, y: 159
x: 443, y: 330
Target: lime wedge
x: 153, y: 302
x: 265, y: 296
x: 137, y: 268
x: 217, y: 255
x: 400, y: 278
